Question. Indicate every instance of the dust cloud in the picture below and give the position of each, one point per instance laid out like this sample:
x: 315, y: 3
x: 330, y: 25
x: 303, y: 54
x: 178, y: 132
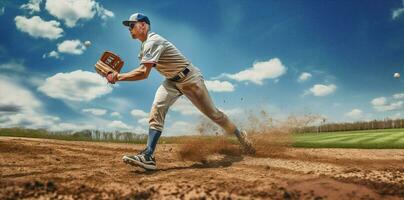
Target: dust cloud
x: 270, y: 137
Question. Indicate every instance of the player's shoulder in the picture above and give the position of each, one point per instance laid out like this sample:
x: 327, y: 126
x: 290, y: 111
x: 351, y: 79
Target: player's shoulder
x: 155, y: 38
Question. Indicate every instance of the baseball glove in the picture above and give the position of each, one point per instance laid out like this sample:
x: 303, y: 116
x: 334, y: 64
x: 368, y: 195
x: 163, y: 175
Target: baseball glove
x: 109, y: 65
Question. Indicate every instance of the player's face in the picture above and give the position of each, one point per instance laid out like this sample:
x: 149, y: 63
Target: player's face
x: 134, y: 29
x: 137, y: 29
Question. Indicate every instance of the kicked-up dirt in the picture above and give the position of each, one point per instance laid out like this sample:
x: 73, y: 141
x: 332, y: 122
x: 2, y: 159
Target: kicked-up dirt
x: 53, y: 169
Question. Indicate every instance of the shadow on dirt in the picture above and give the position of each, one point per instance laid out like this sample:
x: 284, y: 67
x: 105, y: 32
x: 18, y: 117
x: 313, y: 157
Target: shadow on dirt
x: 226, y: 161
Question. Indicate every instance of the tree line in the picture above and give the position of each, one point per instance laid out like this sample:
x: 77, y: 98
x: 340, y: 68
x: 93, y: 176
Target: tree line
x: 352, y: 126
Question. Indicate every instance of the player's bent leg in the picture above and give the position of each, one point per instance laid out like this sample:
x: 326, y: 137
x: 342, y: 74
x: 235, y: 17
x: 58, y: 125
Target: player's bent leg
x: 165, y: 96
x: 197, y: 93
x: 221, y: 119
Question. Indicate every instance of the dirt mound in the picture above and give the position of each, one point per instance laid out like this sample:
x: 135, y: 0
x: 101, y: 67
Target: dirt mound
x: 51, y: 190
x: 200, y: 149
x: 53, y: 169
x: 272, y: 144
x: 268, y: 138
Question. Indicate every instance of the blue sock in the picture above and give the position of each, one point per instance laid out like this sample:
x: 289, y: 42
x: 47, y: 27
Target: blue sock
x: 152, y: 139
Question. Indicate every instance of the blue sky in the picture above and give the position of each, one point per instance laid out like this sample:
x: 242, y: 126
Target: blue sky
x: 331, y: 58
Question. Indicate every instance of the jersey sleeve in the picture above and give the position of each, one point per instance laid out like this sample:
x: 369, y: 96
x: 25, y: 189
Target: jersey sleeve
x: 152, y: 52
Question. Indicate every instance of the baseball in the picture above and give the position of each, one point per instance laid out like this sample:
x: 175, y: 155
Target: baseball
x: 87, y: 43
x: 396, y: 75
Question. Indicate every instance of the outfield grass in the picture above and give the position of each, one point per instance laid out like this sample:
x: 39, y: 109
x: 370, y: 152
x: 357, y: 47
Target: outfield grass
x: 369, y: 139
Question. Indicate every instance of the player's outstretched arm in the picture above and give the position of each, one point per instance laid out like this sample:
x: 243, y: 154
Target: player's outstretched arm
x: 140, y: 73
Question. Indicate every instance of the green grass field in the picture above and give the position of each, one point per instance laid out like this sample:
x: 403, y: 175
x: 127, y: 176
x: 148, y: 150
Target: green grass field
x: 369, y: 139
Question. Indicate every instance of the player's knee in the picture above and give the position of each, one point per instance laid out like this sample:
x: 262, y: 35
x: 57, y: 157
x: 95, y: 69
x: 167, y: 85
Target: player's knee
x: 156, y: 126
x: 157, y: 116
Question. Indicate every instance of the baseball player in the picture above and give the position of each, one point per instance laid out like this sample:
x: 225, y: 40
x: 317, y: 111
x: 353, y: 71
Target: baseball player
x: 182, y: 78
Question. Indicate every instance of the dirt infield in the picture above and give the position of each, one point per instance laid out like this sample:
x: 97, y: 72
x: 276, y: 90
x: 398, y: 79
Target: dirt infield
x: 52, y: 169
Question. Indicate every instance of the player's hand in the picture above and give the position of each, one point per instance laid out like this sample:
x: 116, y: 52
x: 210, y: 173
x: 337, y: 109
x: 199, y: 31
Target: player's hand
x: 112, y: 77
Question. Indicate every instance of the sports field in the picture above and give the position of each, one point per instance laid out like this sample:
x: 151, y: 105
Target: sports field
x: 36, y: 168
x: 368, y: 139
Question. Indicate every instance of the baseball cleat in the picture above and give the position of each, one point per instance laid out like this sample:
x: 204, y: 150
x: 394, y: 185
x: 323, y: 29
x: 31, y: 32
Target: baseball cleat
x: 141, y: 160
x: 245, y: 143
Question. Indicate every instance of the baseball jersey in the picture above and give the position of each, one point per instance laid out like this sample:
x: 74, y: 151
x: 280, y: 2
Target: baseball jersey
x: 168, y: 59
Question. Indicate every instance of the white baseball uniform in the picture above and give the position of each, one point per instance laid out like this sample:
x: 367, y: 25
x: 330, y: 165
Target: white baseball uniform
x: 170, y: 62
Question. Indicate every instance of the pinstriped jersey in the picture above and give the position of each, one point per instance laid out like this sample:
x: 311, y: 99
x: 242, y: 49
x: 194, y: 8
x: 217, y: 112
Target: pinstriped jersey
x: 168, y: 59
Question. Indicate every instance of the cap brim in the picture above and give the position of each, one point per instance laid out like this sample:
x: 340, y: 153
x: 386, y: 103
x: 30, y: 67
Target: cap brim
x: 127, y: 22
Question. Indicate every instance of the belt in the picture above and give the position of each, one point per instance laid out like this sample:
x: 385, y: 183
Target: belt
x: 180, y: 75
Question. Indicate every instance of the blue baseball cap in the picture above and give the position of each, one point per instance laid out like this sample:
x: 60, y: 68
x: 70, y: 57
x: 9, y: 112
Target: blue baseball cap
x: 137, y: 17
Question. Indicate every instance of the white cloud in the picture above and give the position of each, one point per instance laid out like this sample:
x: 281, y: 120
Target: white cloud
x: 32, y: 6
x: 380, y: 101
x: 63, y: 126
x: 116, y: 114
x: 95, y: 111
x: 71, y: 47
x: 102, y: 12
x: 138, y: 113
x: 20, y: 108
x: 119, y: 125
x: 396, y: 116
x: 397, y: 13
x: 260, y: 71
x: 355, y: 113
x: 14, y: 95
x: 304, y: 77
x: 2, y: 11
x: 31, y: 120
x: 140, y: 130
x: 38, y: 28
x: 398, y: 96
x: 143, y: 121
x: 185, y: 107
x: 75, y: 47
x: 181, y: 128
x: 52, y: 54
x: 13, y: 65
x: 121, y: 105
x: 75, y: 86
x: 142, y: 116
x: 72, y: 11
x: 219, y: 86
x: 389, y: 106
x: 323, y: 90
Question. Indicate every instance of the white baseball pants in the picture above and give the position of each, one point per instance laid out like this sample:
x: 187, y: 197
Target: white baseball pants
x: 193, y: 87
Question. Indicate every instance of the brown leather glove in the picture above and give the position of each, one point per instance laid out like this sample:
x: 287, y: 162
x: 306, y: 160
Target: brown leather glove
x: 109, y: 66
